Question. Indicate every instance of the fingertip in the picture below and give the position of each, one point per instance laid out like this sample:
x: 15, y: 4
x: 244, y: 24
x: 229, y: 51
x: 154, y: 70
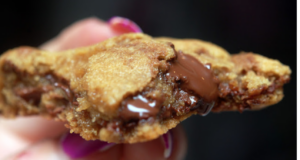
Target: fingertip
x: 113, y: 153
x: 45, y: 150
x: 76, y: 147
x: 82, y: 33
x: 147, y: 150
x: 121, y: 25
x: 52, y: 149
x: 155, y: 149
x: 90, y: 31
x: 86, y: 32
x: 33, y: 128
x: 180, y: 144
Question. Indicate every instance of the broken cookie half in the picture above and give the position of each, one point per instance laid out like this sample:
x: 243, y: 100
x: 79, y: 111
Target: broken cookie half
x: 134, y: 88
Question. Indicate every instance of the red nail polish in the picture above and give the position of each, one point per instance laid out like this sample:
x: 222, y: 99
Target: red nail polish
x: 76, y: 147
x: 124, y: 25
x: 168, y: 141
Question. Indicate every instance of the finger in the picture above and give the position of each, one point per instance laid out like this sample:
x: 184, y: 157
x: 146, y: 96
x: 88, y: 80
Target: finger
x: 46, y: 150
x: 82, y: 33
x: 180, y: 144
x: 90, y: 31
x: 156, y: 149
x: 121, y: 25
x: 51, y: 149
x: 76, y: 147
x: 19, y: 133
x: 72, y: 146
x: 33, y: 128
x: 113, y: 153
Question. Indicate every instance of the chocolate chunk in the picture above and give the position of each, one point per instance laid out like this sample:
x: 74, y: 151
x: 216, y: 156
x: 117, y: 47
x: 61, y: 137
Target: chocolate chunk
x: 32, y: 94
x: 193, y: 76
x: 64, y: 85
x: 140, y: 107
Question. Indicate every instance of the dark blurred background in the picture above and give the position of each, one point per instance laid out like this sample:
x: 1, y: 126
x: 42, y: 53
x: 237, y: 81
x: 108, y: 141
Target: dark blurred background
x: 267, y: 27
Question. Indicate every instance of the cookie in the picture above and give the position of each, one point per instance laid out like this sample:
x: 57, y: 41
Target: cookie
x: 134, y: 88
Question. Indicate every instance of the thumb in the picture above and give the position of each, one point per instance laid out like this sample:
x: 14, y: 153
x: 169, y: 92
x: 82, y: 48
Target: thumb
x: 90, y: 31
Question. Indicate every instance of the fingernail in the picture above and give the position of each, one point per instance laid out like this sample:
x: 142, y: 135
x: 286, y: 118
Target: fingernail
x: 124, y: 25
x: 168, y: 141
x: 76, y: 147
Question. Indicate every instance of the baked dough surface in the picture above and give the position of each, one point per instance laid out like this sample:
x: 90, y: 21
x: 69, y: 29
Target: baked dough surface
x: 85, y: 87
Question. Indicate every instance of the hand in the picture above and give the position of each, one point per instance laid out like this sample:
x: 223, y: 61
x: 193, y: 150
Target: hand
x: 36, y: 138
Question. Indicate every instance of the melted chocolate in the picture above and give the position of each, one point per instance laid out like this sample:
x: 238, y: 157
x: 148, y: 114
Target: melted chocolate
x: 202, y: 107
x: 32, y: 94
x: 192, y: 103
x: 197, y: 89
x: 64, y: 85
x: 67, y: 90
x: 140, y: 107
x: 194, y: 76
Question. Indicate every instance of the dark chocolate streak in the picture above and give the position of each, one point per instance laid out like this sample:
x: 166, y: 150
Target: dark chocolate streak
x: 194, y: 76
x: 140, y: 107
x: 203, y: 108
x: 64, y: 85
x: 32, y: 94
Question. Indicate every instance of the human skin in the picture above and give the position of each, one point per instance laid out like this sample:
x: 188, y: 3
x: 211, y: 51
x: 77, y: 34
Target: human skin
x: 38, y: 138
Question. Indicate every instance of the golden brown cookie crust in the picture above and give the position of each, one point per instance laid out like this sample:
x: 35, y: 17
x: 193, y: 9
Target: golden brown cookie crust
x: 86, y: 87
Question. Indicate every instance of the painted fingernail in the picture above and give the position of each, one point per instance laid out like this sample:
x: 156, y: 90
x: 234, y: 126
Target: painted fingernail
x: 124, y: 25
x: 76, y: 147
x: 168, y: 141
